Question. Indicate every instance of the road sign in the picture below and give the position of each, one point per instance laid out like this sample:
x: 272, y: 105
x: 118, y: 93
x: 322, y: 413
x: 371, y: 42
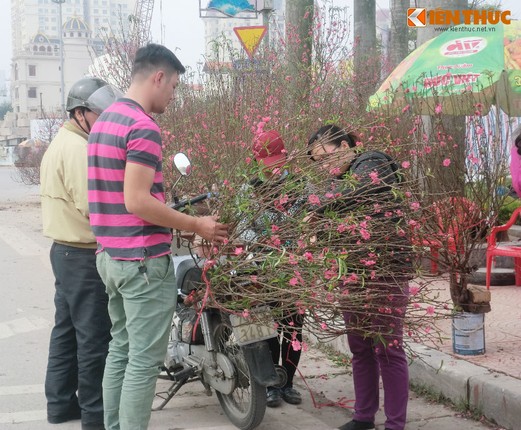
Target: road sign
x: 250, y: 37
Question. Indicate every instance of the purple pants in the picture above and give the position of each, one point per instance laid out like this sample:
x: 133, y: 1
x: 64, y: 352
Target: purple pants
x: 381, y: 354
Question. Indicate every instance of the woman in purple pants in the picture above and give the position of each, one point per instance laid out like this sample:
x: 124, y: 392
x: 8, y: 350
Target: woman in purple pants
x: 380, y: 354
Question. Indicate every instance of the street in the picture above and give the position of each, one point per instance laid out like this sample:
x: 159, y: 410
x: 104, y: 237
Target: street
x: 26, y: 315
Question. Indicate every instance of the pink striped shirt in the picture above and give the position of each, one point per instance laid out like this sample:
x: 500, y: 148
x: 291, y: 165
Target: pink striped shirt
x: 124, y: 133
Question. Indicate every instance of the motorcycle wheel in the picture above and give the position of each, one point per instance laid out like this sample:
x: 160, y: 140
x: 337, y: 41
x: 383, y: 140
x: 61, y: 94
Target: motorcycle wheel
x: 246, y: 405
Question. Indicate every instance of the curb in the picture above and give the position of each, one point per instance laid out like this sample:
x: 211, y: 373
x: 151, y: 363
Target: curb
x: 495, y: 395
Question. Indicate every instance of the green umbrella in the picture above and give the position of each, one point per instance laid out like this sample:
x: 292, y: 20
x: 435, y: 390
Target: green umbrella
x: 465, y: 69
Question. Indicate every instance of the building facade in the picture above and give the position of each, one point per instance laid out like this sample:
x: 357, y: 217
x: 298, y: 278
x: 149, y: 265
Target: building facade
x: 36, y: 77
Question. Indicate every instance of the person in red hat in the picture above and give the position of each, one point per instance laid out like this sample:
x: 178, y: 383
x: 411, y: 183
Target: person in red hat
x: 270, y: 153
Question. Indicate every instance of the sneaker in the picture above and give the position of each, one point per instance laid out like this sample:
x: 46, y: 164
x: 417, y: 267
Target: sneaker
x: 291, y: 396
x: 357, y: 425
x: 274, y: 398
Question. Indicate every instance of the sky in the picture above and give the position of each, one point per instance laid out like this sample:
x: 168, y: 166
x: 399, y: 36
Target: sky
x: 183, y: 29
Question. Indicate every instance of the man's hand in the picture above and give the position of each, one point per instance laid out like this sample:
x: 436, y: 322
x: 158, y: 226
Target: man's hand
x: 211, y: 230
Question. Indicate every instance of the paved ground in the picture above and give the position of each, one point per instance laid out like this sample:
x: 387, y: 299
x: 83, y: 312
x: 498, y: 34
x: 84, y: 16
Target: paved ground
x: 502, y: 333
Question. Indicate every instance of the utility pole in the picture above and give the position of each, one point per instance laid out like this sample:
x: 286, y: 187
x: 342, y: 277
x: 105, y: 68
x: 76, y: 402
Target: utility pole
x: 266, y: 10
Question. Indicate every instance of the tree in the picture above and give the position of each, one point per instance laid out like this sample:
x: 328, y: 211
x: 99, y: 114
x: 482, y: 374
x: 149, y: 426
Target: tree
x: 299, y: 39
x: 29, y: 153
x: 399, y: 46
x: 366, y: 56
x: 4, y: 108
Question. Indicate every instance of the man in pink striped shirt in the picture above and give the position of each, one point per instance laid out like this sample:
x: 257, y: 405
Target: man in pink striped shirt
x: 132, y: 225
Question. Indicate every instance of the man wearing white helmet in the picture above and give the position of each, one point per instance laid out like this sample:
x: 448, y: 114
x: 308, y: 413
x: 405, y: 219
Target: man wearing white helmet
x: 81, y: 334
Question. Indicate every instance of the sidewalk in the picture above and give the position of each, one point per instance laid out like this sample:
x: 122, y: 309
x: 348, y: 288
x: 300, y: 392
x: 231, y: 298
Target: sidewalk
x: 489, y: 383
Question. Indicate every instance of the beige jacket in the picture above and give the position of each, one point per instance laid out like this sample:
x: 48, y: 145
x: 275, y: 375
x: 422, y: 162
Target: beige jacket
x: 63, y: 189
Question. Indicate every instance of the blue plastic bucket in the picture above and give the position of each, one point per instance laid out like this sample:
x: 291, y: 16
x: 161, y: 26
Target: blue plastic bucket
x: 468, y: 333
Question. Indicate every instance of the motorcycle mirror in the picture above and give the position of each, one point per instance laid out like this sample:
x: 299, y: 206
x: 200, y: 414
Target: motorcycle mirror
x: 182, y: 164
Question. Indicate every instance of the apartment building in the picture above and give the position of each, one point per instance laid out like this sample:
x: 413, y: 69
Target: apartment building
x: 36, y: 76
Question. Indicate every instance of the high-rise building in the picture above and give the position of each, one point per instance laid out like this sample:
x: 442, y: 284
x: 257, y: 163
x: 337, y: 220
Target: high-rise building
x: 36, y: 77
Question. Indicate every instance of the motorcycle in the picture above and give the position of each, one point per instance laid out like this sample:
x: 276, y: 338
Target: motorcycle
x: 225, y: 352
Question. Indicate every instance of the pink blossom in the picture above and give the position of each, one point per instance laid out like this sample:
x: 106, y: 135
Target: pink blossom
x: 284, y: 199
x: 473, y: 159
x: 275, y: 240
x: 245, y: 313
x: 368, y: 262
x: 446, y: 162
x: 335, y: 171
x: 293, y: 282
x: 374, y: 177
x: 248, y: 160
x: 365, y: 234
x: 274, y: 228
x: 314, y: 199
x: 295, y: 344
x: 406, y: 164
x: 415, y: 206
x: 323, y: 326
x: 438, y: 109
x: 353, y: 277
x: 406, y: 108
x: 308, y: 256
x: 413, y: 290
x: 341, y: 228
x: 430, y: 310
x: 238, y: 250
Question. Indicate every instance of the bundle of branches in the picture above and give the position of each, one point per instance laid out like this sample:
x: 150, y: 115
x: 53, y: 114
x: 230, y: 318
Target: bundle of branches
x: 300, y: 244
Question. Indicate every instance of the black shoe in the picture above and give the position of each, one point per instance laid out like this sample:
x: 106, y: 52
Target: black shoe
x: 70, y: 416
x: 92, y: 427
x: 291, y: 396
x: 274, y: 398
x: 357, y: 425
